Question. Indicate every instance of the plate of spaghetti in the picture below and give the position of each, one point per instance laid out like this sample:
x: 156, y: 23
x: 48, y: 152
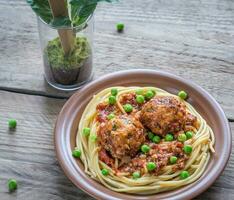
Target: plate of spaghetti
x: 142, y: 134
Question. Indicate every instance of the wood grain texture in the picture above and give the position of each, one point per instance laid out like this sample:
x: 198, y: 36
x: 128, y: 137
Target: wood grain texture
x: 193, y: 39
x: 27, y: 154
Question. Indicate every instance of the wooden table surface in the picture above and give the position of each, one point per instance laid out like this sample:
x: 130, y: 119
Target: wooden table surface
x: 192, y: 39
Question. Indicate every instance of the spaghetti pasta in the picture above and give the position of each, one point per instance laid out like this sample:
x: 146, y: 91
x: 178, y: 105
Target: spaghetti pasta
x: 120, y: 179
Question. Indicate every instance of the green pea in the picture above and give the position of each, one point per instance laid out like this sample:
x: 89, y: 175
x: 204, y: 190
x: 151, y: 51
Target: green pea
x: 110, y: 116
x: 76, y: 153
x: 12, y: 123
x: 105, y: 172
x: 150, y: 135
x: 136, y: 175
x: 154, y: 92
x: 173, y: 159
x: 112, y: 100
x: 184, y: 175
x: 128, y: 108
x: 12, y: 185
x: 189, y: 134
x: 169, y: 137
x: 188, y: 149
x: 182, y: 137
x: 182, y: 94
x: 149, y: 94
x: 120, y: 27
x: 140, y: 99
x: 86, y: 131
x: 93, y: 138
x: 139, y: 92
x: 151, y: 166
x: 145, y: 148
x: 156, y: 139
x: 114, y: 91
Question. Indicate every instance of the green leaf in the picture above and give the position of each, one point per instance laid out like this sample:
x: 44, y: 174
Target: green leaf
x: 42, y: 9
x: 81, y: 10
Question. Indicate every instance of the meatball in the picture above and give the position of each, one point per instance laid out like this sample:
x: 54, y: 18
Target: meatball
x: 163, y: 114
x: 121, y: 136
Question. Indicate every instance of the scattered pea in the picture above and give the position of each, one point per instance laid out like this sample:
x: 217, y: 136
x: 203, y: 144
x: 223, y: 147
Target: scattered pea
x: 149, y: 94
x: 156, y: 139
x: 112, y: 100
x: 184, y: 175
x: 105, y: 172
x: 93, y: 138
x: 110, y: 116
x: 12, y: 123
x: 182, y: 94
x: 12, y: 185
x: 86, y: 131
x: 76, y: 153
x: 136, y: 175
x: 189, y: 134
x: 188, y: 149
x: 128, y: 108
x: 150, y: 135
x: 145, y: 148
x: 173, y: 159
x: 169, y: 137
x: 139, y: 92
x: 140, y: 99
x: 120, y: 27
x: 151, y: 166
x: 114, y: 91
x: 182, y: 137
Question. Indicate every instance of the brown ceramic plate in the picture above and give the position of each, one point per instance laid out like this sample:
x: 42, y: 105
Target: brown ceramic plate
x: 205, y: 104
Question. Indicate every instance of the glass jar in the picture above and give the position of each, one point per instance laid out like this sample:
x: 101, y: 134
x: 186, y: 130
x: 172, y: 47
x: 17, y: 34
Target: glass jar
x: 67, y: 71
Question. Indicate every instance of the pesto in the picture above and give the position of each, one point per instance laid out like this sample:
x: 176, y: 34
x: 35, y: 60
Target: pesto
x: 75, y: 59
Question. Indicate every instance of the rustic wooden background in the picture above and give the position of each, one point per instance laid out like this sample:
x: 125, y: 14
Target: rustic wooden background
x: 193, y: 39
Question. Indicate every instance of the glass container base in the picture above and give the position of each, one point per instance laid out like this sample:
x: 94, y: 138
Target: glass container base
x: 68, y: 87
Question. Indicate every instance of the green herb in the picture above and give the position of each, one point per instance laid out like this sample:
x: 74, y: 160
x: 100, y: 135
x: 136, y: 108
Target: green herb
x: 75, y: 59
x: 42, y: 9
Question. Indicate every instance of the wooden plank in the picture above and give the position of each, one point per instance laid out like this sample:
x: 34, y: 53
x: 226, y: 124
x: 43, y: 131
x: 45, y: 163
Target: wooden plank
x: 27, y: 154
x: 193, y: 39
